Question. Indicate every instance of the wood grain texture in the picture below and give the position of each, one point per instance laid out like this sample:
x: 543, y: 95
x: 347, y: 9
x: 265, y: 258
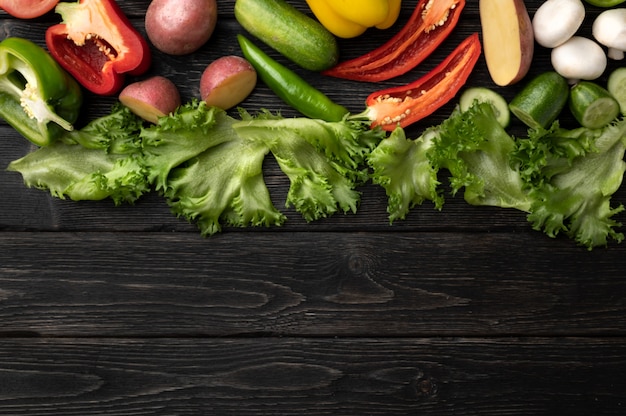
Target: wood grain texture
x: 271, y: 376
x: 307, y: 283
x: 127, y: 310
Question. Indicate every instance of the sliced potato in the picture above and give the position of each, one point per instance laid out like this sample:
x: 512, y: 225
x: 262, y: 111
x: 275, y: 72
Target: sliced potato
x: 152, y: 98
x: 508, y: 39
x: 227, y: 81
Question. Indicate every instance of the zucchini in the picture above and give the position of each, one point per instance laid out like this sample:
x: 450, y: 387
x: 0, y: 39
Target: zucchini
x: 298, y: 37
x: 541, y: 101
x: 592, y: 105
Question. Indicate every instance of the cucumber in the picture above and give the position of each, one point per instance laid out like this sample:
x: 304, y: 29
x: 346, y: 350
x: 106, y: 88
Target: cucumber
x: 605, y: 3
x: 290, y: 32
x: 486, y: 95
x: 541, y: 101
x: 592, y: 105
x: 617, y: 87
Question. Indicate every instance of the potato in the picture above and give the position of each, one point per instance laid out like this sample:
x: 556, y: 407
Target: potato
x: 151, y: 98
x: 227, y: 81
x: 508, y: 39
x: 180, y: 27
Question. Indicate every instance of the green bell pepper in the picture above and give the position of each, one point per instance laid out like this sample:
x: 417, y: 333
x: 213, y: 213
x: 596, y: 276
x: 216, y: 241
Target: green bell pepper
x: 37, y: 97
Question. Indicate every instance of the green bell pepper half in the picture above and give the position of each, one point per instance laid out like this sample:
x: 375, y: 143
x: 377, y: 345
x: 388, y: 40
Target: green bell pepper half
x: 37, y: 97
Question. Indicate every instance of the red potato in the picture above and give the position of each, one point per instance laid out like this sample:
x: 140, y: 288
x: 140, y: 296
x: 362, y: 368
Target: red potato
x: 180, y: 27
x: 508, y: 39
x: 27, y: 9
x: 227, y: 81
x: 152, y: 98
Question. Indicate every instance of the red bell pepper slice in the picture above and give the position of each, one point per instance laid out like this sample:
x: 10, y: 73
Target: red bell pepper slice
x: 431, y: 22
x: 404, y: 105
x: 98, y: 45
x: 27, y: 9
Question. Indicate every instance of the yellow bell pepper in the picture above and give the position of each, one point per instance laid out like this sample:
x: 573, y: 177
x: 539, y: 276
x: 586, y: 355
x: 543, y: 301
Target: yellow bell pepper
x: 364, y: 12
x: 350, y: 18
x: 334, y: 22
x: 392, y: 16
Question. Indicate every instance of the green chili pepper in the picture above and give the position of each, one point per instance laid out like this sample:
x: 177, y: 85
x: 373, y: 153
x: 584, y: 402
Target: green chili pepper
x: 290, y: 87
x: 37, y: 97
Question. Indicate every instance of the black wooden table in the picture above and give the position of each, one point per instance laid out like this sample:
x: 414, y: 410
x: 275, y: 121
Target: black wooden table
x: 127, y: 310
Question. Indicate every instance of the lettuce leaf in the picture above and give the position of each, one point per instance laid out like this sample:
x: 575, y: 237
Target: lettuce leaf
x: 324, y: 161
x: 572, y: 175
x: 476, y: 150
x: 563, y: 179
x: 102, y: 160
x: 207, y: 164
x: 116, y: 132
x: 219, y: 180
x: 224, y: 184
x: 192, y: 129
x: 402, y: 167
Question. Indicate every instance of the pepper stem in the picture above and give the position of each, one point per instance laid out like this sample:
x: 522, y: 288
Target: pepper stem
x: 367, y: 115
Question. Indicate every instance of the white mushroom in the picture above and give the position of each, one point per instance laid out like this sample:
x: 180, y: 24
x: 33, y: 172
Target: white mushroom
x: 609, y: 29
x: 555, y: 21
x: 579, y: 58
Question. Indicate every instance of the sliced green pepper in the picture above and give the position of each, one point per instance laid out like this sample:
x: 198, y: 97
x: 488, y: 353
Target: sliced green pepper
x: 37, y: 97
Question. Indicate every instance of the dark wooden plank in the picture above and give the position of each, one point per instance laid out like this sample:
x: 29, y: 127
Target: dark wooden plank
x: 308, y: 283
x: 291, y: 376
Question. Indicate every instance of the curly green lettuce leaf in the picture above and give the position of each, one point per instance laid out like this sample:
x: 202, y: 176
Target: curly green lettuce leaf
x: 401, y: 166
x: 193, y: 128
x: 547, y: 152
x: 79, y: 173
x: 224, y: 185
x: 573, y: 189
x: 323, y: 161
x: 476, y: 149
x: 101, y: 160
x: 116, y: 132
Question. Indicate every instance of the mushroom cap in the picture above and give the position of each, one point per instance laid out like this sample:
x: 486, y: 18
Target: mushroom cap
x: 555, y: 21
x: 609, y: 28
x: 579, y: 58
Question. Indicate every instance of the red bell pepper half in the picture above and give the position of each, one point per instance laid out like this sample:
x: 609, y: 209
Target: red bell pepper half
x: 431, y: 22
x: 404, y: 105
x: 98, y: 45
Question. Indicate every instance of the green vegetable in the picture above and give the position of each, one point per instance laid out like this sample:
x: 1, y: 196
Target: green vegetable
x: 324, y: 161
x: 604, y: 3
x: 592, y: 105
x: 290, y: 87
x: 37, y: 97
x: 563, y: 179
x: 471, y: 145
x: 482, y: 94
x: 616, y: 85
x: 541, y: 101
x: 574, y: 175
x: 224, y: 184
x: 297, y: 36
x: 474, y: 147
x: 207, y: 164
x: 402, y: 167
x: 102, y: 160
x: 192, y: 129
